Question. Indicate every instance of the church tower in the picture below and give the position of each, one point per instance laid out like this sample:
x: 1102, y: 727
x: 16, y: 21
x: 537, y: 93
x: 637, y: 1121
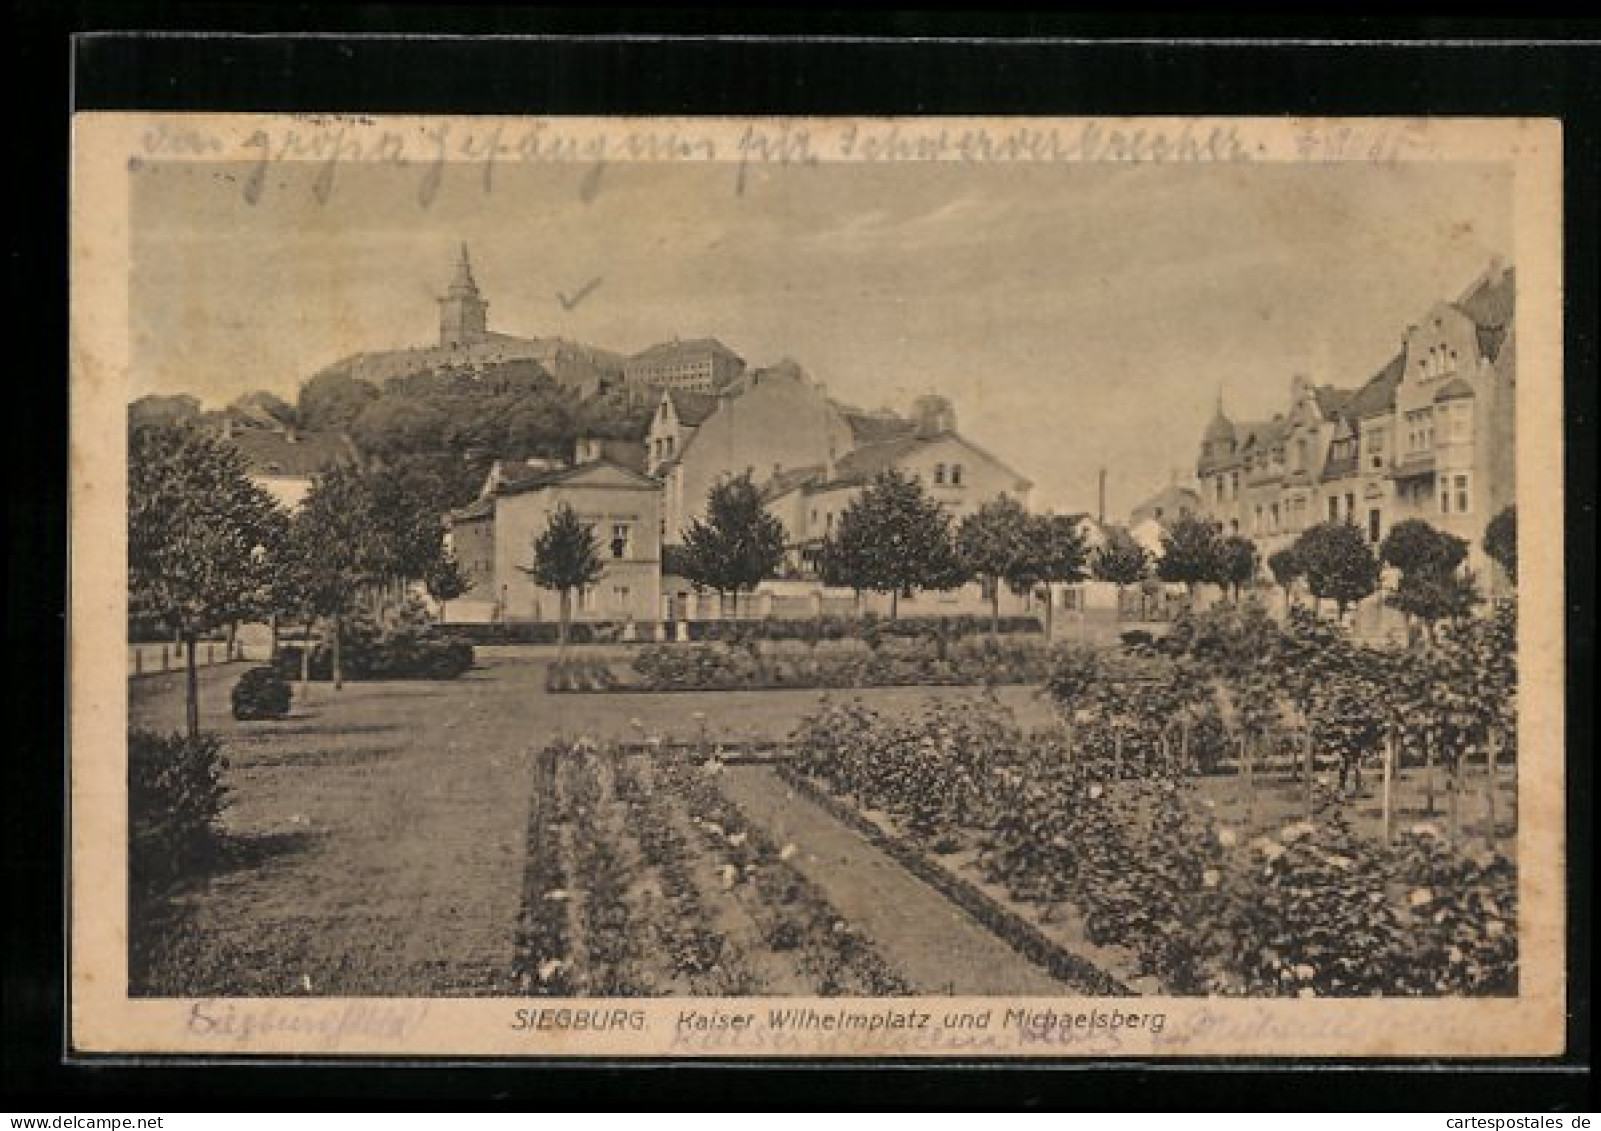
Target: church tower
x: 463, y: 313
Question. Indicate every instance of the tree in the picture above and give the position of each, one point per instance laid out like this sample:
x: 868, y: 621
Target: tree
x: 998, y: 542
x: 1501, y: 541
x: 201, y: 540
x: 1428, y: 560
x: 409, y: 500
x: 394, y: 426
x: 1060, y: 556
x: 331, y: 400
x: 739, y: 543
x: 1192, y: 551
x: 1339, y: 566
x: 893, y: 538
x: 1237, y: 562
x: 1120, y: 560
x: 1287, y: 568
x: 445, y: 580
x: 1435, y: 595
x: 336, y: 552
x: 566, y: 557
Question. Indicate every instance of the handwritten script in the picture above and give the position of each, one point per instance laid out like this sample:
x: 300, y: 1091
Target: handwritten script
x: 435, y: 150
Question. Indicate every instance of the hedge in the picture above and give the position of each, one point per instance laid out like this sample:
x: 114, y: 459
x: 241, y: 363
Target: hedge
x: 811, y: 630
x: 405, y: 657
x: 175, y: 798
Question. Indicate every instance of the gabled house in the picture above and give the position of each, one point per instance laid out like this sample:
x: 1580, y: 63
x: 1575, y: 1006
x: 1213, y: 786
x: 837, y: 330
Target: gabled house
x: 493, y: 540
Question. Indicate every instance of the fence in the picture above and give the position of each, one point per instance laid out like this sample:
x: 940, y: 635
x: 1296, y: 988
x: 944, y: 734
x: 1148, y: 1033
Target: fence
x: 152, y: 659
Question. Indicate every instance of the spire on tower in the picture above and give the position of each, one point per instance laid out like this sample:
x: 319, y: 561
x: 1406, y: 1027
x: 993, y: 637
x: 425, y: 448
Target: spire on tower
x: 464, y: 283
x: 463, y: 313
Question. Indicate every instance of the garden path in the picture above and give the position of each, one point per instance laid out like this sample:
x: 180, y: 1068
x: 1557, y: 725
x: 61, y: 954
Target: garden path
x: 918, y: 931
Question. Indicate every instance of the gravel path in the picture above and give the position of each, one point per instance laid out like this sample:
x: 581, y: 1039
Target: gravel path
x: 917, y: 930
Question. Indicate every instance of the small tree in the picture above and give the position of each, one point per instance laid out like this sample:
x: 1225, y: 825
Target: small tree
x: 445, y: 579
x: 1501, y: 541
x: 1059, y: 556
x: 1192, y: 553
x: 998, y: 542
x: 1339, y: 566
x: 738, y: 545
x: 1287, y: 568
x: 893, y: 538
x: 1237, y: 562
x: 1430, y: 588
x: 336, y: 552
x: 566, y: 557
x: 1121, y: 561
x: 202, y: 539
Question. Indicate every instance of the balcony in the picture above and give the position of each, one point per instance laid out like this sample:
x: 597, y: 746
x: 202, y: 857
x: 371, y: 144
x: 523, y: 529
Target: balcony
x: 1413, y: 465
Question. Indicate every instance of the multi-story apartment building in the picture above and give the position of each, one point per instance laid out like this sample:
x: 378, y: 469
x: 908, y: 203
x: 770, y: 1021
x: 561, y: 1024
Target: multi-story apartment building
x: 1430, y: 436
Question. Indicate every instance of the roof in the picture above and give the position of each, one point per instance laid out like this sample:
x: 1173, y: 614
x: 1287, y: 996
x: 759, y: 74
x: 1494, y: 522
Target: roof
x: 1454, y: 390
x: 1377, y: 397
x: 874, y: 428
x: 693, y: 408
x: 1171, y: 498
x: 1261, y: 434
x: 482, y: 507
x: 1220, y: 428
x: 865, y: 462
x: 1330, y: 400
x: 1492, y: 300
x: 668, y: 351
x: 538, y: 478
x: 789, y: 479
x: 302, y: 456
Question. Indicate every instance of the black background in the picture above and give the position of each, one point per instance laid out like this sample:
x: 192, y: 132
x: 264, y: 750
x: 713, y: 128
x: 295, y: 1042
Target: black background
x: 663, y: 62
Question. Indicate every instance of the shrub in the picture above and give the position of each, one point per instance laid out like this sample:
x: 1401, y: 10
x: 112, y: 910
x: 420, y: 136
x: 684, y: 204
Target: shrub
x: 175, y: 797
x: 373, y: 653
x: 261, y: 693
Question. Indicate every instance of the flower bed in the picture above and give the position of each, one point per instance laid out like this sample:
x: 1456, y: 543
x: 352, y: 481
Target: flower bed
x: 1309, y: 910
x: 644, y: 879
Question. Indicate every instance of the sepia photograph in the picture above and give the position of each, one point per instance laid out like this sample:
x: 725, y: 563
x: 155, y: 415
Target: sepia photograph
x: 920, y: 587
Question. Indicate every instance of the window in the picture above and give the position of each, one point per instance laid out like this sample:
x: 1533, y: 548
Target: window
x: 939, y: 474
x: 1274, y: 516
x: 1376, y: 449
x: 1234, y: 484
x: 1334, y: 508
x: 619, y: 540
x: 1350, y: 507
x: 1234, y: 526
x: 586, y: 599
x: 1373, y: 526
x: 1463, y: 497
x: 1257, y: 525
x: 1220, y: 488
x: 619, y: 597
x: 1158, y: 512
x: 1420, y: 430
x: 956, y: 475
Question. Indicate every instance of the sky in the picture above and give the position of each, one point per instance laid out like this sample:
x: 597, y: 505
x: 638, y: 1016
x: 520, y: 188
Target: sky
x: 1078, y: 316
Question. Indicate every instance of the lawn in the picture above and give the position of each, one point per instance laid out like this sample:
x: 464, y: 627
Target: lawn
x: 377, y: 840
